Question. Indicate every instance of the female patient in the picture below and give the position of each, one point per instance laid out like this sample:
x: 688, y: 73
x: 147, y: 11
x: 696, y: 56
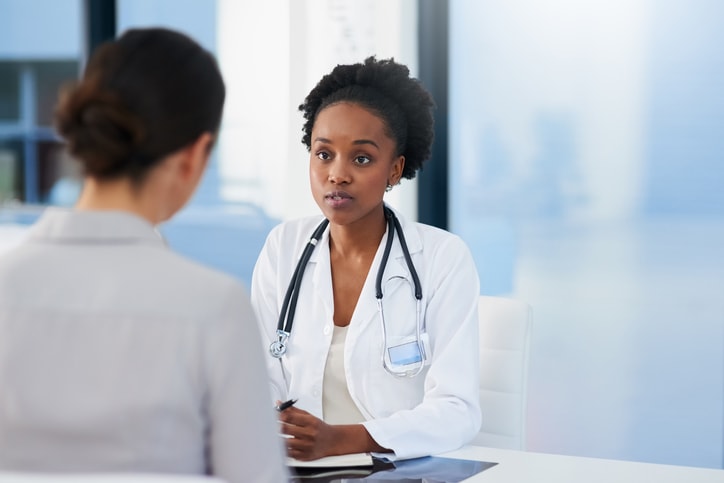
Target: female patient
x: 115, y: 353
x: 377, y: 361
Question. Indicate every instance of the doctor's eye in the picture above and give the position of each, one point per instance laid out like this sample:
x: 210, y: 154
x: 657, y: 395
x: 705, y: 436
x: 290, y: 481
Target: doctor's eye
x: 362, y: 160
x: 323, y: 155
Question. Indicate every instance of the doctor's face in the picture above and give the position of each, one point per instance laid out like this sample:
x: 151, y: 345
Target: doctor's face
x: 352, y: 159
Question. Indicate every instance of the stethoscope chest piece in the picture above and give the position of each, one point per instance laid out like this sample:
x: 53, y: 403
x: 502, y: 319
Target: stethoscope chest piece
x: 279, y: 347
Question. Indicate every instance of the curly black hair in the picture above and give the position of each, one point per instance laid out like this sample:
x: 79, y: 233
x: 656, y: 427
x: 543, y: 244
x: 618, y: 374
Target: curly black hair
x: 385, y: 88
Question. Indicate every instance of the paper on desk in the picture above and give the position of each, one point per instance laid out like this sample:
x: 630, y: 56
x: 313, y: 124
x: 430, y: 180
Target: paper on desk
x: 339, y: 461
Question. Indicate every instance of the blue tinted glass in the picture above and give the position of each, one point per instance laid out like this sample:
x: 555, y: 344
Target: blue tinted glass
x: 587, y: 165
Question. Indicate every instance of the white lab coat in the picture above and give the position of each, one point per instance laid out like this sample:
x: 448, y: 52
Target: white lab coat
x: 434, y: 412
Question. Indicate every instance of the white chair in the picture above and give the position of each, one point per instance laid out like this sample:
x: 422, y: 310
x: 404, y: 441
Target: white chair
x: 505, y: 326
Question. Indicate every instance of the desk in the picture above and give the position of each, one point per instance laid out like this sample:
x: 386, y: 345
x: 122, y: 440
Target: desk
x: 523, y: 467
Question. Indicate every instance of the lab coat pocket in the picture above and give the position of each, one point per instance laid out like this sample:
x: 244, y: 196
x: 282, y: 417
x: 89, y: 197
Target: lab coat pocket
x: 402, y: 351
x: 398, y: 383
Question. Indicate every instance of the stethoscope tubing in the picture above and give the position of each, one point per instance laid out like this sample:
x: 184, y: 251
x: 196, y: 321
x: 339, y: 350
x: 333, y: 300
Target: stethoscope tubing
x: 406, y: 254
x: 289, y: 305
x: 286, y: 317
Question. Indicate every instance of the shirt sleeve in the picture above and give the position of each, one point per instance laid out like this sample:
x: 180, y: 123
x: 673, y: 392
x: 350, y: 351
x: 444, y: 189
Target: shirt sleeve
x: 244, y: 442
x: 449, y: 414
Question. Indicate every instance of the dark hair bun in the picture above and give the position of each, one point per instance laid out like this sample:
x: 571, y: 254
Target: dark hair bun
x: 100, y: 131
x: 142, y: 97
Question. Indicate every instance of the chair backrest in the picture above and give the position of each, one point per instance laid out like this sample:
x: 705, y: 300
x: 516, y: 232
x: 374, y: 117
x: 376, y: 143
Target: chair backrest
x: 505, y: 326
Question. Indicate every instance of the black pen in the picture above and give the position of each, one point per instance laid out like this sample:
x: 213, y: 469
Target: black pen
x: 286, y: 405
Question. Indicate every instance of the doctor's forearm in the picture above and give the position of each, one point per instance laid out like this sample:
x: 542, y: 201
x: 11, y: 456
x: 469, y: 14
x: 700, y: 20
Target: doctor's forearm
x: 354, y: 438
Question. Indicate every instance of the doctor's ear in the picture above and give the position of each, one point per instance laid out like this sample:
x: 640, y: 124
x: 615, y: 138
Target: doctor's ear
x: 398, y: 166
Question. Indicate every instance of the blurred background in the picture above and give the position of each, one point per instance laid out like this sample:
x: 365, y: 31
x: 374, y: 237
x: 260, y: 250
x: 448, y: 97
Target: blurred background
x: 579, y: 152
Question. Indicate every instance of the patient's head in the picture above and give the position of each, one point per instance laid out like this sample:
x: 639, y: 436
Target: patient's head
x: 142, y: 97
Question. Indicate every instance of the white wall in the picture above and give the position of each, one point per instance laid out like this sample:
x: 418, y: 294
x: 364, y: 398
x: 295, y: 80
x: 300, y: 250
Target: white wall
x: 253, y: 51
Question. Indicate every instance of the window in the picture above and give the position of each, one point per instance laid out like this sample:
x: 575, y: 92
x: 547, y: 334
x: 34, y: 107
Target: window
x: 586, y: 174
x: 9, y: 92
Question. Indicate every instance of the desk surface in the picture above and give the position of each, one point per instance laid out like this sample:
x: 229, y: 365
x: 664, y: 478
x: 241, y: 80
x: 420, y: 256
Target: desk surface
x: 524, y: 467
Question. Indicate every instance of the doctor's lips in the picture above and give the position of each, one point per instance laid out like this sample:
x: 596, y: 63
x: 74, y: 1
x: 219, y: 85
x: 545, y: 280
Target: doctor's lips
x: 337, y: 198
x: 337, y: 195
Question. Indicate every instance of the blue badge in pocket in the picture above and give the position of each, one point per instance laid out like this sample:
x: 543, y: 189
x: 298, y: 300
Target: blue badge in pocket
x: 405, y: 354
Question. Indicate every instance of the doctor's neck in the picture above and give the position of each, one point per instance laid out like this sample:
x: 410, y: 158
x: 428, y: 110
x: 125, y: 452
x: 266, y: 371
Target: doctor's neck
x: 357, y: 239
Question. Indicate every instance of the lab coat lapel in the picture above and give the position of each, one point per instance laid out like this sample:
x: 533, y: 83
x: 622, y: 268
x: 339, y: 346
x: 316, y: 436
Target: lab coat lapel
x: 322, y: 275
x: 396, y: 267
x: 367, y: 303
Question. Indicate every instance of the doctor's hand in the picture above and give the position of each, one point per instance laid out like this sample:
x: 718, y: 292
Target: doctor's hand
x: 312, y: 438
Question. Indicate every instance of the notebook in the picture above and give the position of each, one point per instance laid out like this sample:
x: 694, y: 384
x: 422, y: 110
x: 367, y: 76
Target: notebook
x: 354, y: 459
x: 370, y: 469
x: 334, y: 468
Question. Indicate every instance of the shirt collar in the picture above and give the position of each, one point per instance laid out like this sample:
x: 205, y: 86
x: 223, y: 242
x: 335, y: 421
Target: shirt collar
x: 74, y: 226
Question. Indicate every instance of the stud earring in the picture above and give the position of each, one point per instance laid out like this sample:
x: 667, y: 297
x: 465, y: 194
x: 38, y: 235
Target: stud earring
x: 388, y: 188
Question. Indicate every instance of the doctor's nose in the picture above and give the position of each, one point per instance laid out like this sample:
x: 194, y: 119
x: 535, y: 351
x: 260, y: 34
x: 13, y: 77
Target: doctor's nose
x: 338, y: 175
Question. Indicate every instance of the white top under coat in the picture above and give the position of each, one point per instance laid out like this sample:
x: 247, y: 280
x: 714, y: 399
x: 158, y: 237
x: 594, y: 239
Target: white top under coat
x: 337, y: 405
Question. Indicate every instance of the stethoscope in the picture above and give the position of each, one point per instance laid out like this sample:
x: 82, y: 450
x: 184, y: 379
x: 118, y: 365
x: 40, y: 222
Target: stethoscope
x: 286, y: 318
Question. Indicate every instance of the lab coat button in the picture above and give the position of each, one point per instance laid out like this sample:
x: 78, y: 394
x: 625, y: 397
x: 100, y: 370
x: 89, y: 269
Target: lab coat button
x: 327, y: 329
x: 315, y: 393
